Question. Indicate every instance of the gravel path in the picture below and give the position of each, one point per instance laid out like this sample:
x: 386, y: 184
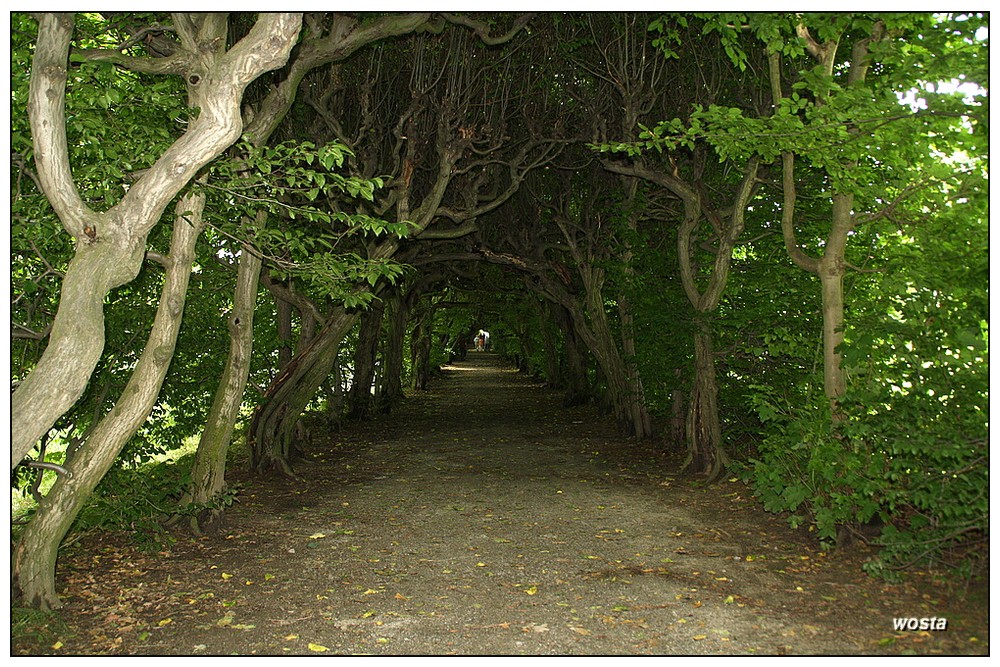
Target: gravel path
x: 484, y: 519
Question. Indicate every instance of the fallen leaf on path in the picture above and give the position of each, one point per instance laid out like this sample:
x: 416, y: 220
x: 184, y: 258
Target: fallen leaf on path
x: 543, y: 627
x: 317, y: 536
x: 318, y: 648
x: 580, y: 631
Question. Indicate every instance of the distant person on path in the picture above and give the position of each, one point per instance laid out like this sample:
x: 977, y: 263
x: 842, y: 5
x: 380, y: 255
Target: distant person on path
x: 483, y: 341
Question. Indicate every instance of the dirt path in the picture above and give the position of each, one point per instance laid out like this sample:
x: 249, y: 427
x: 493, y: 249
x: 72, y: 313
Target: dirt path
x: 484, y: 519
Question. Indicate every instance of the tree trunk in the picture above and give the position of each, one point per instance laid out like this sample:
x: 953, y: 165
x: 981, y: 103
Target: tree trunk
x: 420, y: 352
x: 75, y: 345
x: 553, y: 369
x: 35, y: 557
x: 704, y: 434
x: 110, y: 245
x: 359, y: 399
x: 208, y: 474
x: 576, y: 382
x: 640, y: 415
x: 630, y: 412
x: 272, y: 429
x: 284, y: 313
x: 832, y: 285
x: 831, y: 269
x: 590, y: 322
x: 675, y: 434
x: 390, y: 391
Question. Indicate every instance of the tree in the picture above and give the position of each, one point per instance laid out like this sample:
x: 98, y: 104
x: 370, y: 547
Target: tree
x: 451, y: 164
x: 110, y: 245
x: 35, y: 557
x: 876, y: 166
x: 209, y: 468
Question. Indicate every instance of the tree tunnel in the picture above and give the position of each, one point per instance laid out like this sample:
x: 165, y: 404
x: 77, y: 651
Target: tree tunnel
x: 726, y: 232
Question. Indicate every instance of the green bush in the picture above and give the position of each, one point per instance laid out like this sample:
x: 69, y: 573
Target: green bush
x: 912, y: 451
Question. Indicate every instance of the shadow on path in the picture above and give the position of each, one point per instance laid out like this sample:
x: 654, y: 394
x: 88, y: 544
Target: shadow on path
x: 483, y: 519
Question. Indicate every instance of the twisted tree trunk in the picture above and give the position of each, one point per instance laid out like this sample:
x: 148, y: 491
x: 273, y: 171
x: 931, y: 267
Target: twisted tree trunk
x: 706, y: 456
x: 390, y: 386
x: 576, y: 382
x: 272, y: 430
x: 110, y: 245
x: 360, y: 402
x: 35, y: 556
x: 208, y: 474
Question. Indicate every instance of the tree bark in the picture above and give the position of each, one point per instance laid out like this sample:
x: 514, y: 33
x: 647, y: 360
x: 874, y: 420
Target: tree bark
x: 831, y: 266
x: 625, y: 315
x: 630, y: 413
x: 284, y: 326
x: 421, y: 341
x: 35, y: 556
x: 272, y: 429
x: 208, y: 474
x: 390, y: 390
x: 576, y: 382
x: 706, y: 455
x: 110, y: 245
x: 553, y: 369
x: 420, y: 352
x: 831, y: 270
x: 359, y: 399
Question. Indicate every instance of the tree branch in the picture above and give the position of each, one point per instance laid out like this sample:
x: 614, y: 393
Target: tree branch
x: 483, y: 31
x: 177, y: 63
x: 672, y: 183
x: 218, y: 125
x: 435, y: 233
x: 300, y: 301
x: 47, y: 112
x: 801, y: 259
x: 344, y: 38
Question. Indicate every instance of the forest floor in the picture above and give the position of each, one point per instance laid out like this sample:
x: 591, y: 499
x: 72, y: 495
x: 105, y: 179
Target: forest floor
x: 484, y: 519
